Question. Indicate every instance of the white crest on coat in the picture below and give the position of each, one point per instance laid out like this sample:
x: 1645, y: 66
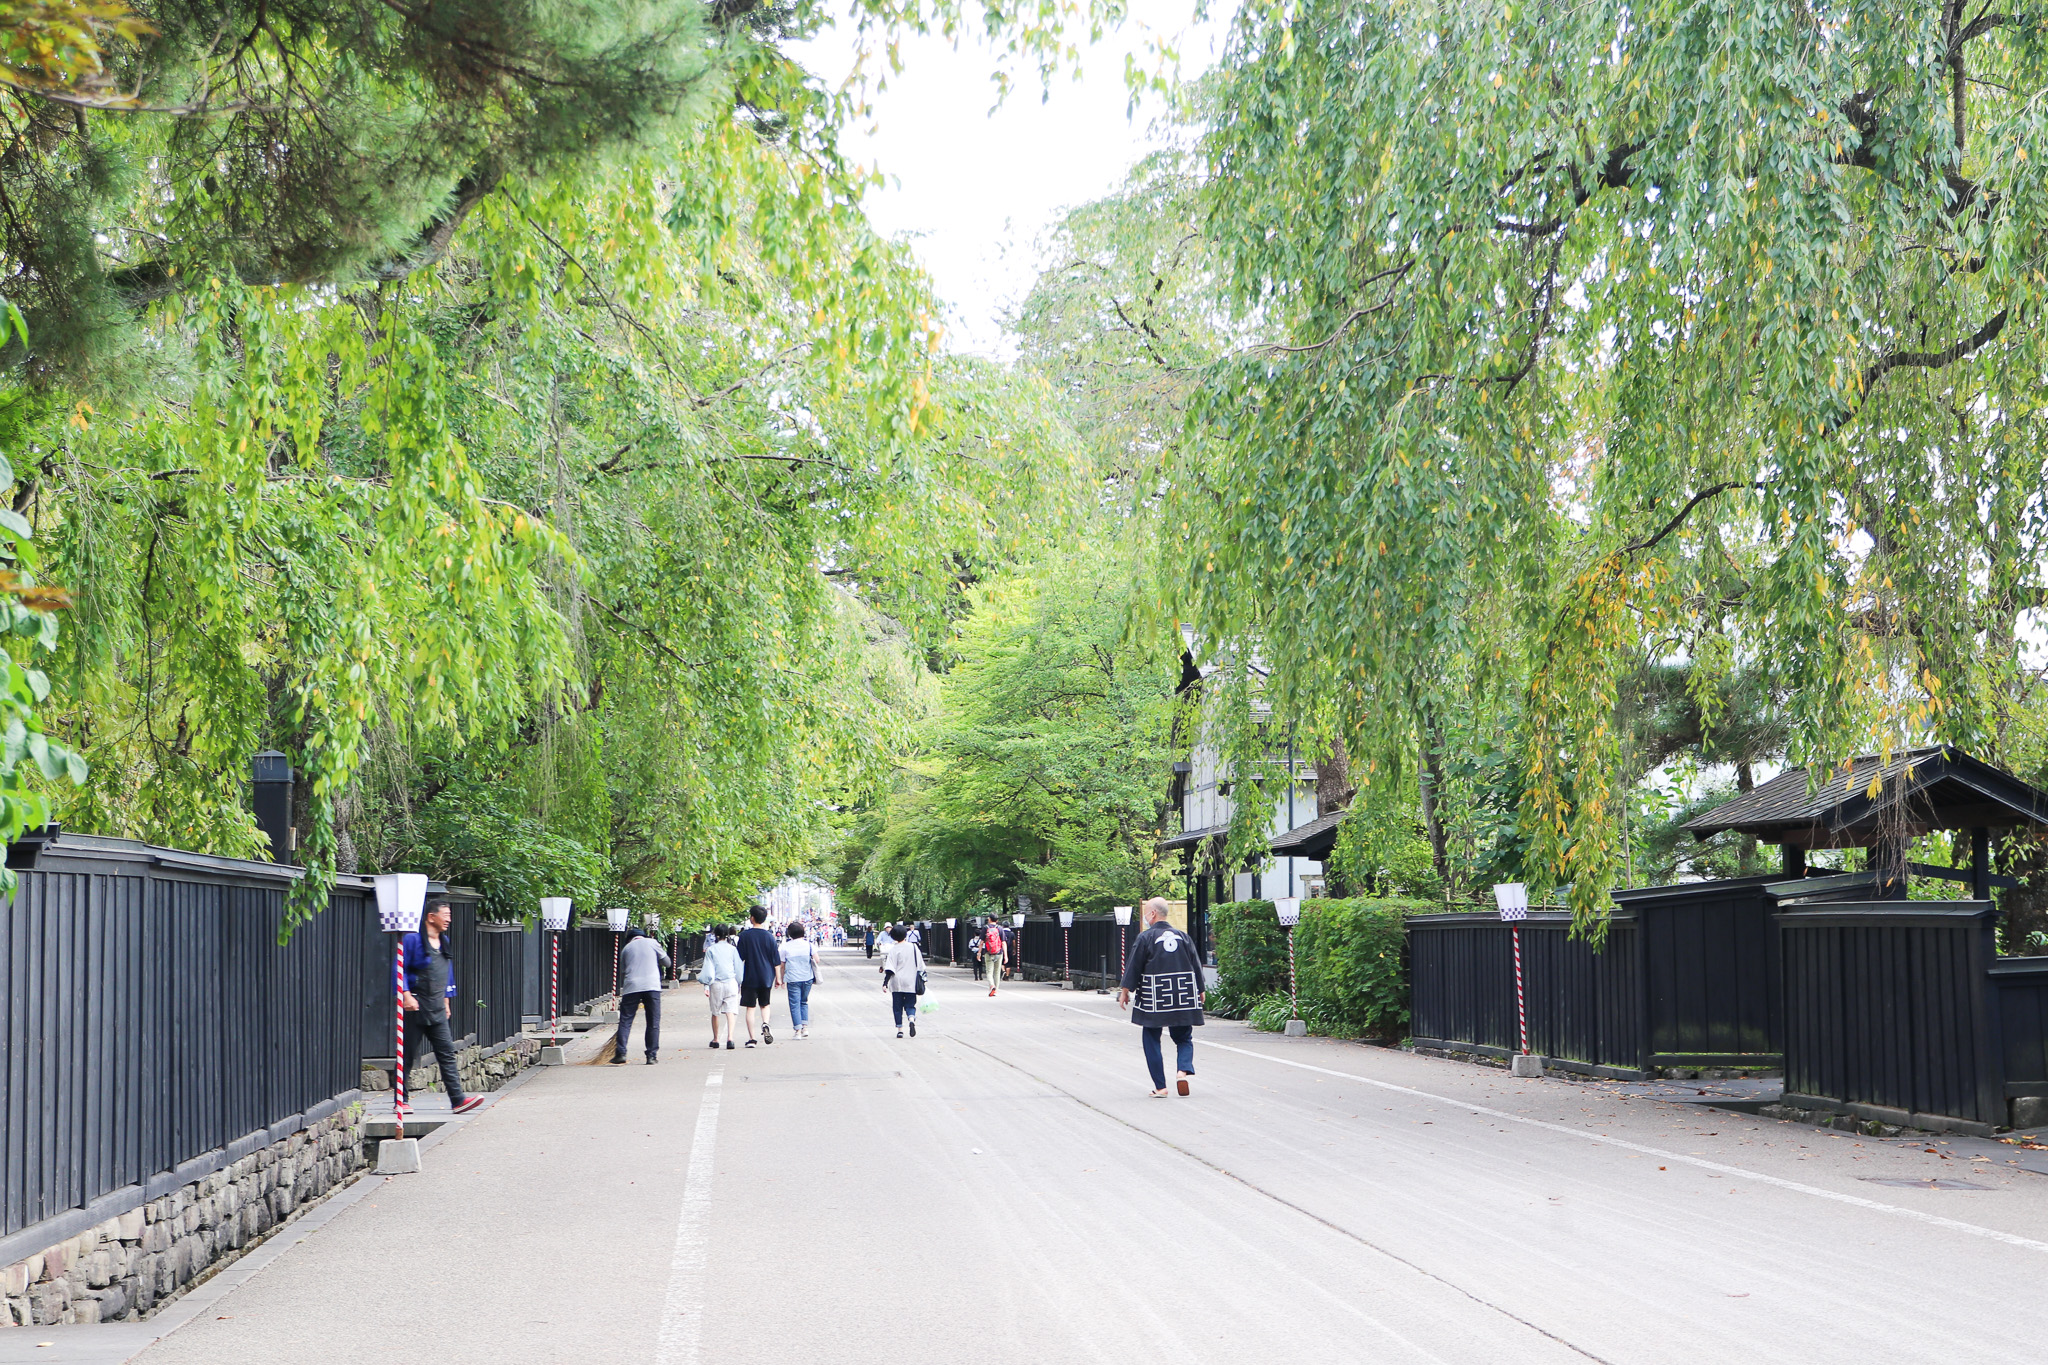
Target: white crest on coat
x: 1169, y: 942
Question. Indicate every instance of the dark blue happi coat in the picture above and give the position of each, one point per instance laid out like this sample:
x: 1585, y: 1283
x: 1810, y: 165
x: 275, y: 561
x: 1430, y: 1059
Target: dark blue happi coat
x: 1164, y: 977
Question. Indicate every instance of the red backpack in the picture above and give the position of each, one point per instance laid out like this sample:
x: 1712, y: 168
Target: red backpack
x: 993, y: 944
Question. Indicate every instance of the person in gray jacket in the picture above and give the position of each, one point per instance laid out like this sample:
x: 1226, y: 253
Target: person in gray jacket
x: 641, y: 963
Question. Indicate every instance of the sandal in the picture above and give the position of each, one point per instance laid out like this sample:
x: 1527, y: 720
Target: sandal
x: 1181, y: 1082
x: 1159, y: 1094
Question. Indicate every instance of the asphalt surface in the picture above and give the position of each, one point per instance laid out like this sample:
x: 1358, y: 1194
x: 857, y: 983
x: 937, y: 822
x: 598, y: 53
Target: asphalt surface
x: 1002, y: 1189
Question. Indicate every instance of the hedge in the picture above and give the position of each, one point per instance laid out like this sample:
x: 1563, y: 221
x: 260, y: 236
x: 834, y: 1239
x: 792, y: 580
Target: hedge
x: 1350, y: 960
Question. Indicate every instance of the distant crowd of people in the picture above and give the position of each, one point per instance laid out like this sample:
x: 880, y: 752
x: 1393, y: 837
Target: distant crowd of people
x: 743, y: 967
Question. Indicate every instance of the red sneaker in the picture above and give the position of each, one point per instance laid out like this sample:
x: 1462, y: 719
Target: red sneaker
x: 473, y: 1102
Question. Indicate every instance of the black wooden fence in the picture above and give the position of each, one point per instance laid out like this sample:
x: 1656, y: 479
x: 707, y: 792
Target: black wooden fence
x: 2021, y: 984
x: 488, y: 968
x: 1892, y: 1013
x: 1585, y: 1008
x: 152, y: 1030
x: 1688, y: 977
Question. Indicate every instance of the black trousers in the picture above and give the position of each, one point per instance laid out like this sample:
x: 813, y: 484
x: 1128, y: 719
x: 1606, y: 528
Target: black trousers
x: 629, y: 1005
x: 421, y: 1029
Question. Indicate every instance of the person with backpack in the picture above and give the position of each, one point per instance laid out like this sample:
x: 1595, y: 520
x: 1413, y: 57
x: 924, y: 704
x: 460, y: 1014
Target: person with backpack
x: 1166, y: 973
x: 995, y: 950
x: 903, y: 978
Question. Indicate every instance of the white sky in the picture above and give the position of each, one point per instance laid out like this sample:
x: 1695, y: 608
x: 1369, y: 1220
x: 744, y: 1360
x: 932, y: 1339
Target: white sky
x: 973, y: 187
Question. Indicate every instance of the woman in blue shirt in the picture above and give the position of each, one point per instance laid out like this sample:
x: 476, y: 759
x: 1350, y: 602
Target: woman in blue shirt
x: 799, y: 974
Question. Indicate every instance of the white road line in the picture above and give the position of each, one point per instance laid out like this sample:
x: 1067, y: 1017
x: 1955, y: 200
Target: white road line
x: 1855, y: 1201
x: 682, y: 1314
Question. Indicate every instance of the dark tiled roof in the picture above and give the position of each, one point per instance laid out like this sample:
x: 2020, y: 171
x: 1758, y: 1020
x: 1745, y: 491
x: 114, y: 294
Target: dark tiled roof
x: 1312, y: 840
x: 1917, y: 790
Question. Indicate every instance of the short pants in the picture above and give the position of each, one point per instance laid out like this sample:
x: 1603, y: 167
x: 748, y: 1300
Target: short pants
x: 754, y: 995
x: 725, y: 996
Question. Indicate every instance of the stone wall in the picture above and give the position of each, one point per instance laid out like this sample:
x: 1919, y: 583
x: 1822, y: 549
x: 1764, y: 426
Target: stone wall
x: 483, y: 1069
x: 132, y: 1264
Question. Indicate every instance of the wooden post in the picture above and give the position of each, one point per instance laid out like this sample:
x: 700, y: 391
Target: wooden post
x: 1980, y: 863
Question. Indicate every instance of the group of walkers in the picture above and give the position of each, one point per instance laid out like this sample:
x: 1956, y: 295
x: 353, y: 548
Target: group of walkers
x: 1162, y: 985
x: 741, y: 972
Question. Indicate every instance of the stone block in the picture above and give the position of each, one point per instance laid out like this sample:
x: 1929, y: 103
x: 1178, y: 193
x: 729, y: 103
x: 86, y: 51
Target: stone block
x: 1845, y: 1123
x: 1525, y: 1065
x: 128, y: 1227
x: 2030, y: 1111
x: 398, y: 1156
x: 15, y: 1279
x: 59, y: 1259
x: 113, y: 1304
x: 98, y: 1269
x: 1872, y: 1128
x: 156, y: 1237
x: 85, y: 1310
x: 166, y: 1275
x: 50, y: 1301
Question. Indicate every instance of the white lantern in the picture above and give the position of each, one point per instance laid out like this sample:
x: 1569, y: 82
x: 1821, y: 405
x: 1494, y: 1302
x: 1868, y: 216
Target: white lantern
x: 554, y: 912
x: 616, y: 917
x: 1123, y: 914
x: 951, y: 922
x: 401, y: 901
x: 1017, y: 920
x: 1288, y: 908
x: 1513, y: 900
x: 1066, y: 919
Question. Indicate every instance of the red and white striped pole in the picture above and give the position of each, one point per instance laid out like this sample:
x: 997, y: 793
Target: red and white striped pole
x: 1066, y: 946
x: 1293, y: 997
x: 398, y: 1034
x: 1521, y: 1003
x: 615, y: 971
x: 554, y: 985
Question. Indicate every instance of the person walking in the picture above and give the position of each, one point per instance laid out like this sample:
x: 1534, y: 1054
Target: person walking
x: 641, y: 963
x: 429, y: 986
x: 902, y: 968
x: 1166, y: 972
x: 868, y: 939
x: 761, y: 972
x: 995, y: 950
x: 721, y: 977
x: 799, y: 975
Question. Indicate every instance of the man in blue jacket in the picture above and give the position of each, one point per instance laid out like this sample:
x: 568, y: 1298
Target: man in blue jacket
x: 1165, y: 974
x: 429, y: 986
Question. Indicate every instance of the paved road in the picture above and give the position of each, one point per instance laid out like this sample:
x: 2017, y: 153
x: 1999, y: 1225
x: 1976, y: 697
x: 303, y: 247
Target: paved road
x: 1001, y: 1189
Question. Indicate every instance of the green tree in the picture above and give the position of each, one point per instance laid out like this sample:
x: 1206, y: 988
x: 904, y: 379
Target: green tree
x: 1707, y: 329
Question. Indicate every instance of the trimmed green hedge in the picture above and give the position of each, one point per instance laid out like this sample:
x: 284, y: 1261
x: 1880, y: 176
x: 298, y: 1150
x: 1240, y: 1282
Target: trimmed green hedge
x: 1350, y: 957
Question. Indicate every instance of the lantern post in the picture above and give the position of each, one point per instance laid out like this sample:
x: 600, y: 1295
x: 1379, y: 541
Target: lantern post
x: 554, y: 918
x: 615, y: 918
x: 1017, y: 942
x: 1066, y: 947
x: 401, y: 900
x: 1288, y: 909
x: 1513, y: 900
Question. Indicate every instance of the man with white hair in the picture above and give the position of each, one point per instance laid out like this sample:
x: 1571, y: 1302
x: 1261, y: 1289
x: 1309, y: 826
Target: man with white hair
x: 1166, y: 973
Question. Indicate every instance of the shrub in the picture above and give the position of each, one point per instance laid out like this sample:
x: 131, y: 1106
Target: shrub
x: 1350, y: 963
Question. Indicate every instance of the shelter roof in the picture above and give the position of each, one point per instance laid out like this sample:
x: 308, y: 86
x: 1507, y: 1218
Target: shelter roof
x: 1312, y: 840
x: 1918, y: 790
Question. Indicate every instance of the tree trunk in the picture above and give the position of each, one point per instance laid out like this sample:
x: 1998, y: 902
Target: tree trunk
x: 1430, y: 782
x: 1333, y: 778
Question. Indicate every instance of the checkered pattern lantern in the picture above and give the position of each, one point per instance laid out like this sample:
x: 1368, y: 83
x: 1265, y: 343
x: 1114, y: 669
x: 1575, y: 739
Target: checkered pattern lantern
x: 554, y: 912
x: 616, y: 918
x: 401, y: 900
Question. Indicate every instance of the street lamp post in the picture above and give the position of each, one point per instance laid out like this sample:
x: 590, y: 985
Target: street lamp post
x: 1513, y: 900
x: 401, y: 900
x: 1066, y: 947
x: 952, y: 941
x: 1017, y: 942
x: 1288, y: 908
x: 554, y: 918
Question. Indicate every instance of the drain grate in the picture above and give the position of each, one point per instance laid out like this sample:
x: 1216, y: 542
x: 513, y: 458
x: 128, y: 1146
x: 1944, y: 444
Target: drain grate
x: 1923, y: 1184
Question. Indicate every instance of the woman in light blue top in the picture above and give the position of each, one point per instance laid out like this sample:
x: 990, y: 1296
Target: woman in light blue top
x: 799, y: 974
